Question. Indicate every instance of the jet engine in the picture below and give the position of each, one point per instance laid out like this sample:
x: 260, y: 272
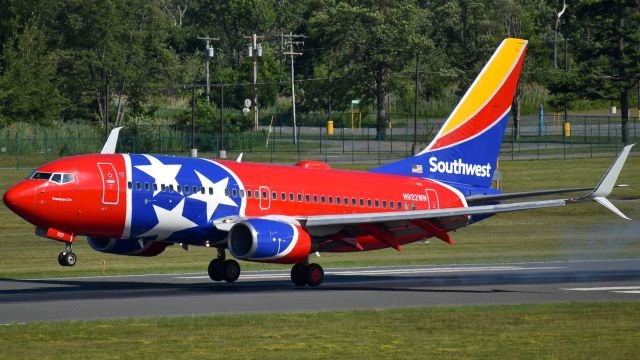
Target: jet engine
x: 267, y: 240
x: 132, y: 247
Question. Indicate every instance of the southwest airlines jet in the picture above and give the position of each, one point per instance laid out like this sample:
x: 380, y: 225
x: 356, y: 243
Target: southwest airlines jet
x: 136, y: 204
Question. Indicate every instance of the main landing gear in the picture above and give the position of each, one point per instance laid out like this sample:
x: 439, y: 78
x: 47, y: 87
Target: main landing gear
x: 307, y: 274
x: 67, y: 257
x: 221, y: 269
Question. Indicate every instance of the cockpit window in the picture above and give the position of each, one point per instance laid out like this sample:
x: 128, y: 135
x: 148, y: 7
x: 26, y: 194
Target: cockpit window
x: 39, y: 175
x: 67, y: 178
x: 58, y: 178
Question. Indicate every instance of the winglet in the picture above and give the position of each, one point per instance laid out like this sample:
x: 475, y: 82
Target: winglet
x: 608, y: 182
x: 611, y: 176
x: 110, y: 145
x: 239, y: 159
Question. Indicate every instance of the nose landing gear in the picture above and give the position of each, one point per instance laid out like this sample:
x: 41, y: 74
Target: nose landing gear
x: 67, y: 257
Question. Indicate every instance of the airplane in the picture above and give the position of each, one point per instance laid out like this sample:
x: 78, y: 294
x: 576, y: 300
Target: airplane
x: 138, y: 204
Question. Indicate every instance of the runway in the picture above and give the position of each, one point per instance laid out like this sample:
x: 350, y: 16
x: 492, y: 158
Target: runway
x: 88, y: 298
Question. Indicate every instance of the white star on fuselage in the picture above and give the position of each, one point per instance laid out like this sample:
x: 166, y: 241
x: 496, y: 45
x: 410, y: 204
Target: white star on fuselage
x: 218, y: 197
x: 161, y: 173
x: 169, y: 222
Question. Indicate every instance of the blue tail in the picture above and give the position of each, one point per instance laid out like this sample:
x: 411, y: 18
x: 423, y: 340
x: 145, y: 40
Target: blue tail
x: 466, y: 148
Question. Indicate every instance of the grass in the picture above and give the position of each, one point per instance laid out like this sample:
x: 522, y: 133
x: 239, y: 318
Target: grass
x: 586, y: 231
x: 558, y: 331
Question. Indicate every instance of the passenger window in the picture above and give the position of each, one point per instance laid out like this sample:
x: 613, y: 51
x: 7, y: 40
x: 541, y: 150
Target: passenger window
x: 346, y: 201
x: 323, y: 199
x: 361, y: 202
x: 265, y: 195
x: 315, y: 199
x: 129, y: 185
x: 56, y: 178
x: 391, y: 203
x: 249, y: 193
x: 413, y: 206
x: 406, y: 206
x: 147, y: 187
x: 377, y: 203
x: 368, y: 202
x: 283, y: 196
x: 226, y: 192
x: 290, y: 196
x: 163, y: 187
x: 307, y: 198
x: 399, y: 205
x: 241, y: 193
x: 67, y: 178
x: 210, y: 191
x: 384, y: 204
x: 138, y: 185
x: 202, y: 190
x: 178, y: 188
x: 338, y: 200
x: 234, y: 192
x: 187, y: 190
x: 171, y: 188
x: 256, y: 194
x: 353, y: 201
x: 195, y: 189
x: 155, y: 187
x: 299, y: 197
x: 274, y: 195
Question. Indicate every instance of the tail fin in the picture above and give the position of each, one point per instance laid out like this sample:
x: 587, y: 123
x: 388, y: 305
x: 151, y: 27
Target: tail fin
x: 466, y: 148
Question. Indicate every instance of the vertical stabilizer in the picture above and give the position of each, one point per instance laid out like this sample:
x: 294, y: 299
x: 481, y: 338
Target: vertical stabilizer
x: 466, y: 148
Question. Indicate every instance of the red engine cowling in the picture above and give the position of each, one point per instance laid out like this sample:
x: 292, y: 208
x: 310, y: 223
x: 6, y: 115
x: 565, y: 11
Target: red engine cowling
x: 129, y: 247
x: 271, y: 241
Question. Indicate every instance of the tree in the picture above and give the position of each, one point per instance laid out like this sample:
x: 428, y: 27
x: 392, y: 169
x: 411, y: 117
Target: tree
x: 27, y: 90
x: 369, y: 40
x: 608, y: 52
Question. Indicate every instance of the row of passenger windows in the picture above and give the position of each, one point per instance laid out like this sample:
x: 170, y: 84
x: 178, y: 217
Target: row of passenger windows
x: 308, y: 198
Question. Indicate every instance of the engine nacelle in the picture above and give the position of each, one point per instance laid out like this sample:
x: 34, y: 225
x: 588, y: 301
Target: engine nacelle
x: 270, y: 241
x: 130, y: 247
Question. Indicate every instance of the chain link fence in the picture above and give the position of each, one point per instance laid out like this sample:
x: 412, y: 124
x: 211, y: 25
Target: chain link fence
x: 353, y: 139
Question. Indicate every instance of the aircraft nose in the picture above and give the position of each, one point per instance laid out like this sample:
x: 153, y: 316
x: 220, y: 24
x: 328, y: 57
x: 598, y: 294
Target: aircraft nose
x: 20, y: 198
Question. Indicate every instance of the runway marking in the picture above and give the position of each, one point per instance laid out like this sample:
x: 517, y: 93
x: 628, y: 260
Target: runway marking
x: 628, y: 292
x: 634, y: 289
x: 393, y: 271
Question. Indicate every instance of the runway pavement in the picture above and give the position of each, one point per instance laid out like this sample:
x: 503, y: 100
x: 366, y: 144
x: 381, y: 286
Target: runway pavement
x: 23, y: 301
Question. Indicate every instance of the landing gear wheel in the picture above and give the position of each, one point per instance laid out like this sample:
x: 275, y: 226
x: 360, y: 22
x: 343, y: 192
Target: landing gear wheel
x: 215, y: 270
x: 70, y: 259
x: 314, y: 275
x: 298, y: 275
x: 230, y: 270
x: 61, y: 260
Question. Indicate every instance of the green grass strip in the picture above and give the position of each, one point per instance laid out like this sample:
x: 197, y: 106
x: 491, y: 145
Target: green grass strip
x: 550, y: 331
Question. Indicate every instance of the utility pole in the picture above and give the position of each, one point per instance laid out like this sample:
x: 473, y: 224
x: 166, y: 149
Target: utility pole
x: 194, y: 151
x: 106, y: 104
x: 223, y: 152
x: 207, y: 56
x: 255, y: 51
x: 291, y: 44
x: 414, y: 148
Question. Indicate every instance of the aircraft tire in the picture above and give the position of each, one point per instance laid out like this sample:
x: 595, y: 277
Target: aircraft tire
x: 61, y: 259
x: 314, y: 275
x: 70, y: 259
x: 230, y: 270
x: 215, y: 270
x: 298, y: 275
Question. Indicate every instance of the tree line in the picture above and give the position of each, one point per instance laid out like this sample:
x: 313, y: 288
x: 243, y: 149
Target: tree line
x: 59, y: 59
